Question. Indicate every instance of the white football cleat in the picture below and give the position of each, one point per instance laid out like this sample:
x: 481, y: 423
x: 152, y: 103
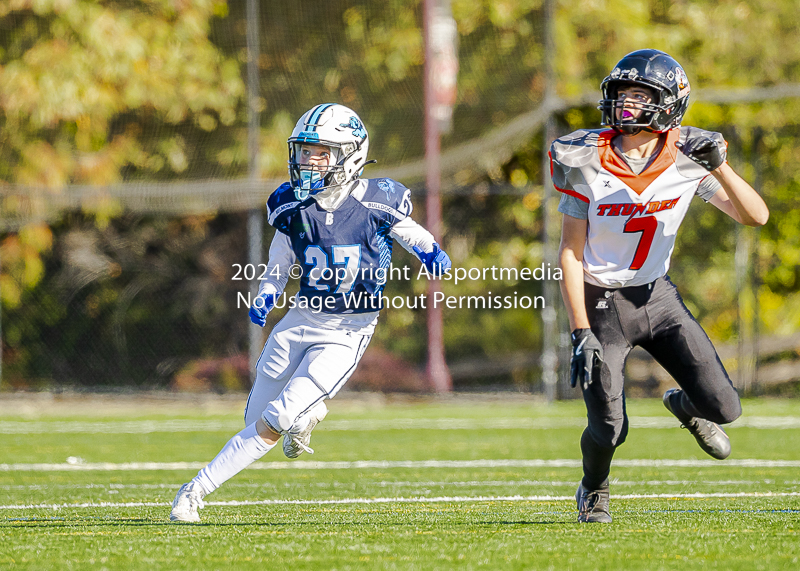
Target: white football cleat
x: 296, y: 441
x: 188, y: 500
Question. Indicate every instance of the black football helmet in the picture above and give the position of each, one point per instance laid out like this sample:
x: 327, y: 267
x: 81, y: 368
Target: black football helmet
x: 656, y: 71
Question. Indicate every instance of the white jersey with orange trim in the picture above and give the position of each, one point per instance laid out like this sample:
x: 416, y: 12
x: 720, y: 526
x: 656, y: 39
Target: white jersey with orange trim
x: 633, y: 218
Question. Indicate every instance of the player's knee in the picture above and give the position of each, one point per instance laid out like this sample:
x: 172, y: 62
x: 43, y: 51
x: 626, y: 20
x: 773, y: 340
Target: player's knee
x: 609, y: 434
x: 622, y: 436
x: 730, y: 411
x: 277, y: 417
x: 618, y: 437
x: 263, y: 389
x: 723, y: 410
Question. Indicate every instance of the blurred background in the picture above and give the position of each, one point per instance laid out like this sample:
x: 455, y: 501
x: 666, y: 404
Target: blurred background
x: 140, y: 140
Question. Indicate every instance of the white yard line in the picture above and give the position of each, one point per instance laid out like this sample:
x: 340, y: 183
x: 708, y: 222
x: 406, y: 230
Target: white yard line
x: 535, y: 423
x: 385, y: 464
x: 115, y: 487
x: 416, y: 500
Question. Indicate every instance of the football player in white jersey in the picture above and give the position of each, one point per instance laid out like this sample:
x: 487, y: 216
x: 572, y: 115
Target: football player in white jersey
x: 626, y: 190
x: 340, y: 229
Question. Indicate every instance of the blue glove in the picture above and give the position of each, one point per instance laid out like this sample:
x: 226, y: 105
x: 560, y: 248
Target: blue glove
x: 261, y: 307
x: 436, y: 261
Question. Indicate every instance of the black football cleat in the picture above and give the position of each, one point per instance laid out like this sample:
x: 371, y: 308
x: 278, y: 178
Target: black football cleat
x: 592, y: 505
x: 709, y: 435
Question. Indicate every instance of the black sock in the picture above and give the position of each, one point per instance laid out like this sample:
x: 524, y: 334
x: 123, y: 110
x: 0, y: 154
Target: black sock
x: 596, y: 462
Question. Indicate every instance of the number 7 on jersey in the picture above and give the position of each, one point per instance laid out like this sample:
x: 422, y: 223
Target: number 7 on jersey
x: 647, y: 225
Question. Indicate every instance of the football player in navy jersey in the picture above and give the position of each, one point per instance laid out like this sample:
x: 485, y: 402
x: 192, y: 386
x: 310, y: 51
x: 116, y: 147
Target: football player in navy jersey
x: 340, y: 229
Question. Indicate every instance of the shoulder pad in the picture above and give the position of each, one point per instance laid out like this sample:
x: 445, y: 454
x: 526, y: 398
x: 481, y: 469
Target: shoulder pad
x: 575, y: 160
x: 577, y: 149
x: 388, y: 197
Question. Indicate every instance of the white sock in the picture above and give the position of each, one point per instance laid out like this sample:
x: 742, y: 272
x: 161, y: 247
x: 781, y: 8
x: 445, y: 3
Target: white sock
x: 240, y: 451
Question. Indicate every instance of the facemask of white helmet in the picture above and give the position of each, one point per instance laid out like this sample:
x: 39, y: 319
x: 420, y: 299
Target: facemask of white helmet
x: 314, y: 179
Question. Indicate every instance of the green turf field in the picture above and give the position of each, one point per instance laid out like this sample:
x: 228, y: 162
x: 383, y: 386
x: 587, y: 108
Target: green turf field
x: 464, y: 483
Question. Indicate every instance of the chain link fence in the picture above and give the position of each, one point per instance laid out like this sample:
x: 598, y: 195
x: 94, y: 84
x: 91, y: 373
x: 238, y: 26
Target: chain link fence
x: 127, y: 280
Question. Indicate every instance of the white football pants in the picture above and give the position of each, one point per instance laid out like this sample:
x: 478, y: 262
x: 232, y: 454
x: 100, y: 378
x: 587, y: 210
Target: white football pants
x: 301, y: 364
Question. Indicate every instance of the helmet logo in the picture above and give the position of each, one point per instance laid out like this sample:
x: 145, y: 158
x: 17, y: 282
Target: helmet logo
x: 682, y: 81
x: 386, y: 186
x: 358, y: 129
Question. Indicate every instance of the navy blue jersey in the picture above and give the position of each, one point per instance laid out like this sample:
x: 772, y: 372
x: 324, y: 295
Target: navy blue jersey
x: 345, y: 254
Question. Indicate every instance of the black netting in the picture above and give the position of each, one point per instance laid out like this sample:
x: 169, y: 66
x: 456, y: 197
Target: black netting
x: 125, y: 137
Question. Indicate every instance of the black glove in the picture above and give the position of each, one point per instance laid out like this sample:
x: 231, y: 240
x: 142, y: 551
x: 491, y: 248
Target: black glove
x: 587, y: 356
x: 704, y: 151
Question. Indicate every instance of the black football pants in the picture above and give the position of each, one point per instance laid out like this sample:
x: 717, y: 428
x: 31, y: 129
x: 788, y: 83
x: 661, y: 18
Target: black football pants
x: 653, y: 317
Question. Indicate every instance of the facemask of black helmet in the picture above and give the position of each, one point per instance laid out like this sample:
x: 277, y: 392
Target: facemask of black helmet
x: 658, y: 73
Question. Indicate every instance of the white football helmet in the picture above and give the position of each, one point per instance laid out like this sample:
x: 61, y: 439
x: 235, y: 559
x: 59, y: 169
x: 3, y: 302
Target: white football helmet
x: 334, y: 126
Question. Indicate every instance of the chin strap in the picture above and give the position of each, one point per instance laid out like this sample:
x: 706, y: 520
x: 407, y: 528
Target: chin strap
x: 629, y: 130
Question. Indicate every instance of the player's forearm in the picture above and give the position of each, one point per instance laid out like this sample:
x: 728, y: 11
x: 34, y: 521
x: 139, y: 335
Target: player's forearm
x: 572, y: 289
x: 271, y: 287
x: 410, y: 234
x: 749, y: 205
x: 281, y: 257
